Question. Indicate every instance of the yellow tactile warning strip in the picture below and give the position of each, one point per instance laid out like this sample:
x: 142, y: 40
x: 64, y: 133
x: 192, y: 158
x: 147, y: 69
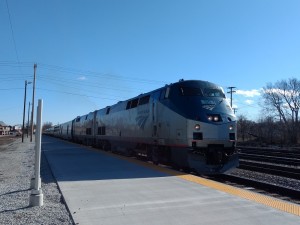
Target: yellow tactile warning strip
x: 256, y: 197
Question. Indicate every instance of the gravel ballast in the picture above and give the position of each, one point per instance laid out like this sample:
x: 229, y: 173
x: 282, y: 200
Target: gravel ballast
x: 16, y: 171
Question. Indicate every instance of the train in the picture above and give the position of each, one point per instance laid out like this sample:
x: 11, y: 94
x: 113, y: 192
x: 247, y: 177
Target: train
x: 188, y: 124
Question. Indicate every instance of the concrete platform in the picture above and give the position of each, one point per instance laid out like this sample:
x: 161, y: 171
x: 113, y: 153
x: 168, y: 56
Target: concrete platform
x: 101, y: 188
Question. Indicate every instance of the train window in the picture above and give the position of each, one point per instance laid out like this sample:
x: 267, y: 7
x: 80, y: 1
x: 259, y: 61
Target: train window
x: 162, y: 94
x: 128, y: 105
x: 189, y: 91
x: 78, y: 119
x: 167, y: 92
x: 134, y: 103
x: 107, y: 110
x: 101, y: 130
x: 88, y: 131
x: 86, y: 117
x: 209, y: 92
x: 144, y: 100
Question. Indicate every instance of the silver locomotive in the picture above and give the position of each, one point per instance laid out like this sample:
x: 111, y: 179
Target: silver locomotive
x: 187, y: 124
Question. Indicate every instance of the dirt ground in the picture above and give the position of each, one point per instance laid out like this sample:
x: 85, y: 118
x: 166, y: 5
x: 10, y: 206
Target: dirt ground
x: 5, y: 140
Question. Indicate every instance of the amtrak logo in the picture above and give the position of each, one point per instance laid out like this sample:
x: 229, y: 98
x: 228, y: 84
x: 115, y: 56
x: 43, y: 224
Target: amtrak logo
x: 208, y: 107
x: 208, y: 104
x: 141, y: 120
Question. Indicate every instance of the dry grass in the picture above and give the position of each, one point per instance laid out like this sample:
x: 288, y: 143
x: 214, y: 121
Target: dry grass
x: 7, y: 139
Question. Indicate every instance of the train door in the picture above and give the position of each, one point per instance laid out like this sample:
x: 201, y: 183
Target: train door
x: 94, y: 127
x: 155, y: 98
x: 72, y: 130
x: 163, y: 119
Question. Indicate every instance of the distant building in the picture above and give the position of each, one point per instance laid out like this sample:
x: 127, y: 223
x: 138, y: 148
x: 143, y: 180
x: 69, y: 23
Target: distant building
x: 4, y: 130
x: 17, y: 127
x: 10, y: 130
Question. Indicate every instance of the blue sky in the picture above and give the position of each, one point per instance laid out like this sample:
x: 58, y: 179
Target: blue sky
x: 91, y: 54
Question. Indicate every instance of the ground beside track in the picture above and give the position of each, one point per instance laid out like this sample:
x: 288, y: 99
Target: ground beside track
x: 16, y: 170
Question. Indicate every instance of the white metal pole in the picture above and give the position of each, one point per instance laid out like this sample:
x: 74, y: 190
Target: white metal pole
x: 36, y: 197
x: 38, y: 146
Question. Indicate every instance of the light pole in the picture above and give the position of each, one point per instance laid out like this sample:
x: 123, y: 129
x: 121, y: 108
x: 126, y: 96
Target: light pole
x: 24, y: 108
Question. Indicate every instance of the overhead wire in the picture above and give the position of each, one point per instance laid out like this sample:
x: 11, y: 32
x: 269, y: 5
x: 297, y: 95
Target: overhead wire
x: 12, y: 32
x: 77, y: 83
x: 79, y: 72
x: 76, y: 87
x: 97, y: 74
x: 86, y: 86
x: 76, y: 94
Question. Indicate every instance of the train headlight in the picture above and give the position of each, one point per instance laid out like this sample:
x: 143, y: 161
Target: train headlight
x: 197, y: 127
x: 230, y: 127
x: 214, y: 117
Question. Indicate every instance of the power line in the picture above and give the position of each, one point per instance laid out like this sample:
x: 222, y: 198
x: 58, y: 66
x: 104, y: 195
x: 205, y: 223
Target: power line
x: 12, y: 63
x: 12, y: 32
x: 78, y: 72
x: 9, y: 89
x: 70, y: 93
x: 96, y: 74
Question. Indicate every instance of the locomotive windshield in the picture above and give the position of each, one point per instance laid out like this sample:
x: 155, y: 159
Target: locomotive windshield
x: 206, y: 92
x: 209, y: 92
x: 196, y: 99
x: 188, y: 91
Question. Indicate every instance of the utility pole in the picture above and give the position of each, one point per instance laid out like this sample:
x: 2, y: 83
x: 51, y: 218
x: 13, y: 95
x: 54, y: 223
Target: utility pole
x: 23, y: 128
x: 231, y: 92
x: 24, y: 111
x: 28, y: 120
x: 32, y: 103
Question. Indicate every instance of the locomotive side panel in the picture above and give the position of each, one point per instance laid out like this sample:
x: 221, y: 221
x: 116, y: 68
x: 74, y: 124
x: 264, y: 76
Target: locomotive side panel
x: 126, y: 126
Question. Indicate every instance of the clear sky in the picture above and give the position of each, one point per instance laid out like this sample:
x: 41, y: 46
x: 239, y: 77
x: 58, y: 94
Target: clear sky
x: 91, y: 54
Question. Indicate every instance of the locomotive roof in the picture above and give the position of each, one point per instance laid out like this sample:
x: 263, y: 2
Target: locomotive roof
x: 191, y: 83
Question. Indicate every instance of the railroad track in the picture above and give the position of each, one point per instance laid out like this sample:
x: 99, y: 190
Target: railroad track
x: 274, y: 152
x: 269, y: 189
x: 271, y: 159
x: 280, y: 162
x: 279, y: 170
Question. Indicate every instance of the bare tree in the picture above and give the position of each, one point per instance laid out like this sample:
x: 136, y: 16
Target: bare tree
x: 283, y: 99
x: 269, y: 130
x: 46, y: 125
x: 244, y: 126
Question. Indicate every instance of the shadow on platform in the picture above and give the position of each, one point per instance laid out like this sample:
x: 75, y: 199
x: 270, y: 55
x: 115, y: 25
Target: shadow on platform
x: 73, y: 162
